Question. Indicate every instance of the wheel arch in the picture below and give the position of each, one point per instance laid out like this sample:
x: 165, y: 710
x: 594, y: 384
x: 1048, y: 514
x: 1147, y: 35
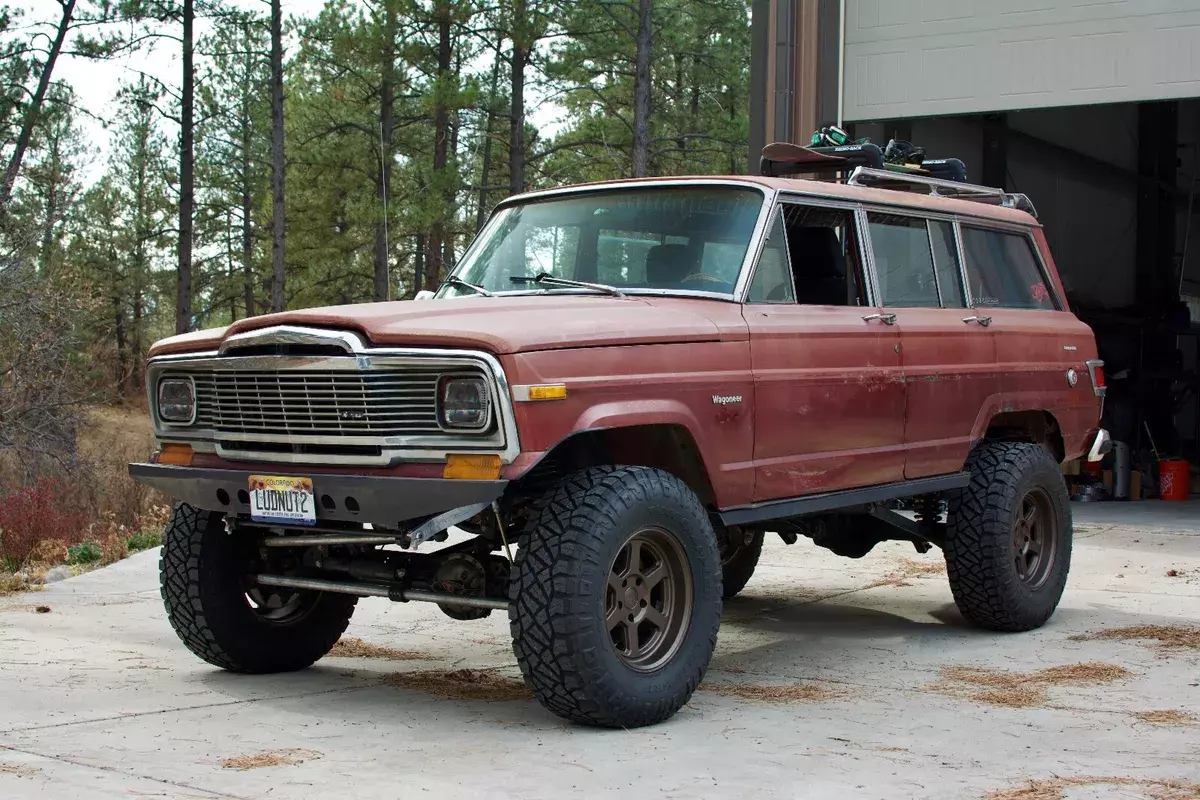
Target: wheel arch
x: 1035, y: 426
x: 668, y: 446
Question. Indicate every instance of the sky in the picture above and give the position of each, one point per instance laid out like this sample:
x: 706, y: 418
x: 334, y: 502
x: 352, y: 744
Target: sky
x: 96, y: 82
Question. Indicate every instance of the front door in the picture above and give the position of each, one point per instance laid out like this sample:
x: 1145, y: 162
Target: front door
x: 829, y: 394
x: 948, y: 354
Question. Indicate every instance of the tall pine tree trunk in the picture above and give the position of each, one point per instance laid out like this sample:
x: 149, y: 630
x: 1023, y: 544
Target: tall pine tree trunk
x: 247, y: 193
x: 187, y: 177
x: 383, y: 181
x: 516, y: 137
x: 247, y: 214
x: 485, y: 177
x: 434, y: 251
x: 641, y: 92
x: 277, y: 161
x: 34, y: 109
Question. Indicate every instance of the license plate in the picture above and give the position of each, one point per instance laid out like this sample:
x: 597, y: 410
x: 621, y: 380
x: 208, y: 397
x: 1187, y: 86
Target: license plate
x: 278, y: 499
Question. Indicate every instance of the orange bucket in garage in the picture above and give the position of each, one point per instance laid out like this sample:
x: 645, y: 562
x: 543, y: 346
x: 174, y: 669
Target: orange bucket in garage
x: 1173, y: 480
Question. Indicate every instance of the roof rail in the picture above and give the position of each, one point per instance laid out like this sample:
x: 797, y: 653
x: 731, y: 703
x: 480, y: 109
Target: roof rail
x: 886, y: 179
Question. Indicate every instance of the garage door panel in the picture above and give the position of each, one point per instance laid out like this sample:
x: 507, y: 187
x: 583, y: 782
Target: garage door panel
x: 914, y: 58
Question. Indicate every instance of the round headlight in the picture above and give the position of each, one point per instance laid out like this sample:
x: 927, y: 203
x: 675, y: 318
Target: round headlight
x: 463, y: 403
x: 177, y: 401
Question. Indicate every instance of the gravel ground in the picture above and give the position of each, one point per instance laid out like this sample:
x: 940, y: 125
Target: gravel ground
x: 832, y: 678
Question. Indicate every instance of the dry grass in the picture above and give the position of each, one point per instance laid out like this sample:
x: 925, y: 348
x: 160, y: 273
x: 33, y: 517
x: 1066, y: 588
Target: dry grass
x: 1167, y: 717
x: 1023, y: 689
x: 289, y: 756
x: 1056, y: 788
x: 461, y: 684
x: 1168, y: 637
x: 910, y: 568
x: 19, y: 771
x: 349, y: 647
x: 10, y: 584
x: 774, y: 693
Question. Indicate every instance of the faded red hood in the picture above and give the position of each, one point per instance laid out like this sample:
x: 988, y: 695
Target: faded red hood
x: 496, y: 324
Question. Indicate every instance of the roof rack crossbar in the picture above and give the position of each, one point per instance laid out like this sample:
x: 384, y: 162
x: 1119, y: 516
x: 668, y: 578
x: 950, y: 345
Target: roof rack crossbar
x: 879, y: 178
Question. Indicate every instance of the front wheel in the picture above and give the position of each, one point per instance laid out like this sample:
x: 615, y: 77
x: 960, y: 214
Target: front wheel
x: 616, y: 600
x: 1008, y: 537
x: 229, y: 622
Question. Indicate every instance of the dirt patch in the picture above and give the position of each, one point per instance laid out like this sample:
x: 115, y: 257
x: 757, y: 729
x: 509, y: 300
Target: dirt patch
x: 357, y: 648
x: 1167, y: 717
x: 289, y: 756
x: 910, y: 568
x: 1056, y: 788
x: 20, y: 772
x: 461, y: 684
x: 1023, y: 689
x: 774, y: 692
x: 1168, y: 637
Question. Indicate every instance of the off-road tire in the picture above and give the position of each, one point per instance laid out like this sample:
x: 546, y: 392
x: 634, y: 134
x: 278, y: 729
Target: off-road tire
x: 557, y: 597
x: 738, y: 560
x: 979, y: 542
x: 201, y: 573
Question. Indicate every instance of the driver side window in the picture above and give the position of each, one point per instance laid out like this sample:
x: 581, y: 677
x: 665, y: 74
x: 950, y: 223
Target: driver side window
x: 816, y: 250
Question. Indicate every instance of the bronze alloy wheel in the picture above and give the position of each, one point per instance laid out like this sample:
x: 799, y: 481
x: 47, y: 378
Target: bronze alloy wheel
x: 274, y: 604
x: 648, y: 600
x: 1034, y: 538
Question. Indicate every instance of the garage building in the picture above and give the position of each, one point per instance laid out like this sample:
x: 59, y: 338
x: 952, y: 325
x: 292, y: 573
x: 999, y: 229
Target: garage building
x: 1090, y: 107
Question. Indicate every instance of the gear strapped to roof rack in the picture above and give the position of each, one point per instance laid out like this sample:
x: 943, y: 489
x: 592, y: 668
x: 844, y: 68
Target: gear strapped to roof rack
x: 866, y: 165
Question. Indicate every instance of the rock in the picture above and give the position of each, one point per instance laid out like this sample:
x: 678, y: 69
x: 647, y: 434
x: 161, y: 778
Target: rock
x: 58, y: 573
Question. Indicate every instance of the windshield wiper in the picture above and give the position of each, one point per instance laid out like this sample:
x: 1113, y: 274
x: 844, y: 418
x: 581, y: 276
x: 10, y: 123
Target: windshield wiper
x: 551, y: 280
x: 459, y: 283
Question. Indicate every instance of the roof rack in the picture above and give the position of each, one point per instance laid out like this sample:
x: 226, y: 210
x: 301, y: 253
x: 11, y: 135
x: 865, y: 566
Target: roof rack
x: 886, y: 179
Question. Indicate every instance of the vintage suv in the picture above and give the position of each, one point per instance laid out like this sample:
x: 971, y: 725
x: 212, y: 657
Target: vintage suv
x: 631, y: 383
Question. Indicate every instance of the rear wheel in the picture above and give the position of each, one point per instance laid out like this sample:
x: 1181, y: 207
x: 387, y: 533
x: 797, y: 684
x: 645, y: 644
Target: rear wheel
x: 1008, y: 537
x: 740, y: 551
x: 231, y: 622
x: 616, y: 600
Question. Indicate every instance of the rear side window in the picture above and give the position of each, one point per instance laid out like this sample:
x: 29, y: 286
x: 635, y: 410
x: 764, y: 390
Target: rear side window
x: 945, y: 261
x: 903, y: 261
x: 1004, y: 271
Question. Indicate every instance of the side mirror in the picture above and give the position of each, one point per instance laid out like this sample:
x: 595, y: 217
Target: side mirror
x: 424, y: 294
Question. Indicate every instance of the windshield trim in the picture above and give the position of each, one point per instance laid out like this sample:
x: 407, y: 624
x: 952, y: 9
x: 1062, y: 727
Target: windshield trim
x: 751, y: 258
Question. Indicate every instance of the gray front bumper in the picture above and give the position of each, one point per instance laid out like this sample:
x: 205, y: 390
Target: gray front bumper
x: 378, y: 500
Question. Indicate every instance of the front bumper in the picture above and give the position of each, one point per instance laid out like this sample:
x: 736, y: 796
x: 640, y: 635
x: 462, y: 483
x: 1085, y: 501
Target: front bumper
x: 379, y: 500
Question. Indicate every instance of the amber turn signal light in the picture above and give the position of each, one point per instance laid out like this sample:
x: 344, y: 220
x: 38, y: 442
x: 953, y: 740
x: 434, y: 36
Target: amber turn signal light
x: 179, y: 455
x: 472, y: 467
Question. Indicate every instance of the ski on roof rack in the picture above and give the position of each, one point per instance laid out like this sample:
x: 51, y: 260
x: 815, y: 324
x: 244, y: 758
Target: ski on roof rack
x: 864, y: 165
x: 782, y: 158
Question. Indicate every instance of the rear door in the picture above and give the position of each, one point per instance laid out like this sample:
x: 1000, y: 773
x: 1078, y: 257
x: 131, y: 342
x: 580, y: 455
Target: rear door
x: 829, y: 395
x: 948, y: 357
x: 1037, y: 340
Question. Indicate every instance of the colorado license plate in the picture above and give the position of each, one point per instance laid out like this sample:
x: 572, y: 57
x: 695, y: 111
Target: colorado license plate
x: 285, y: 500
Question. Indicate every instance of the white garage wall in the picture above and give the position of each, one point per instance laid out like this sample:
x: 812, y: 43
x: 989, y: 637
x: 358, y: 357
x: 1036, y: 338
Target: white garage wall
x: 914, y: 58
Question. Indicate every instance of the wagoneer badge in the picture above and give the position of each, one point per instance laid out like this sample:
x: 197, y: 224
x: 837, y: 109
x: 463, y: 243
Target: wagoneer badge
x: 726, y: 399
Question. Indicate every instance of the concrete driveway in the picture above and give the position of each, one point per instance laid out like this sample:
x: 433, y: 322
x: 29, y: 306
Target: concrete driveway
x: 830, y: 680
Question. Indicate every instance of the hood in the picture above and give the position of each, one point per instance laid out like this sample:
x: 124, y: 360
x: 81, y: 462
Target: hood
x: 498, y: 325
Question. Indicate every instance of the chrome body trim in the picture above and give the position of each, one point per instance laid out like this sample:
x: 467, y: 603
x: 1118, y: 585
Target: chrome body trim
x: 360, y: 357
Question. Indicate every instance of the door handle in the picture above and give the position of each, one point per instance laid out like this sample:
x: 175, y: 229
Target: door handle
x: 984, y: 321
x: 886, y: 319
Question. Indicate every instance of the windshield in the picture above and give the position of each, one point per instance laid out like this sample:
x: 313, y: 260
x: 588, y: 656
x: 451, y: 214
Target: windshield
x: 653, y: 239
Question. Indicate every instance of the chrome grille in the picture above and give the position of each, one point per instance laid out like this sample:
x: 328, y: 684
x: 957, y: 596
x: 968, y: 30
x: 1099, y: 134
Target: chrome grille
x: 329, y: 403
